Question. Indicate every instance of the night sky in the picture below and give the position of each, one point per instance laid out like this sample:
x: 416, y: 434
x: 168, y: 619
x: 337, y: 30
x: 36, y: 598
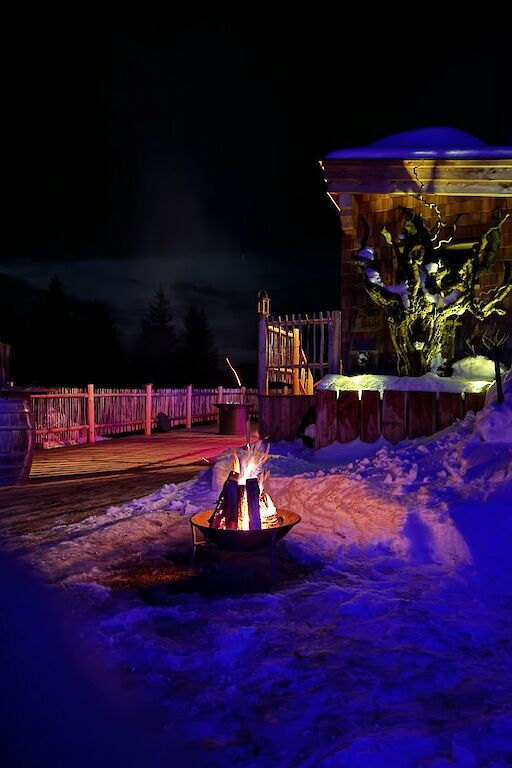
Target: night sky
x: 183, y: 150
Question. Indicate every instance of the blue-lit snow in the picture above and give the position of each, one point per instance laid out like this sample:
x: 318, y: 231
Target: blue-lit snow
x: 433, y: 142
x: 395, y: 649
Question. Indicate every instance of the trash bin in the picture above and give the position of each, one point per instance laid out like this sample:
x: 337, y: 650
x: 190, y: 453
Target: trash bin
x: 232, y: 418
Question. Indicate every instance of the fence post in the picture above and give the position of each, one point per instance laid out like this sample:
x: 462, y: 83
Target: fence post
x: 295, y: 362
x: 147, y: 424
x: 263, y: 313
x: 220, y: 399
x: 242, y: 394
x: 335, y: 342
x: 188, y: 412
x: 91, y: 426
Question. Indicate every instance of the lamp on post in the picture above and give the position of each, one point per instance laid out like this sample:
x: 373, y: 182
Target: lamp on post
x: 263, y: 303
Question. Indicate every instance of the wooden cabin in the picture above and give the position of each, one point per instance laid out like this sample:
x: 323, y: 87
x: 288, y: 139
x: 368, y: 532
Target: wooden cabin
x: 466, y: 178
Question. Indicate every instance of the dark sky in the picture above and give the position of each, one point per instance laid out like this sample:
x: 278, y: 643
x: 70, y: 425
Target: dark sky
x: 183, y: 149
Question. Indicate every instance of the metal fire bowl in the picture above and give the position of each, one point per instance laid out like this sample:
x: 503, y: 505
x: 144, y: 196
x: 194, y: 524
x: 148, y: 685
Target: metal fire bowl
x: 244, y: 541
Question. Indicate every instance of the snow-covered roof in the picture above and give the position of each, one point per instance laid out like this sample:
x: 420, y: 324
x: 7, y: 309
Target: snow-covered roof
x: 435, y: 142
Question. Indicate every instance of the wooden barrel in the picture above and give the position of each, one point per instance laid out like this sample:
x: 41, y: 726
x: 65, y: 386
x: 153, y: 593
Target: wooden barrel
x: 17, y: 439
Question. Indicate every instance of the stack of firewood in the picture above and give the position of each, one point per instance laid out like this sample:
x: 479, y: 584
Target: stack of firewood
x: 227, y: 510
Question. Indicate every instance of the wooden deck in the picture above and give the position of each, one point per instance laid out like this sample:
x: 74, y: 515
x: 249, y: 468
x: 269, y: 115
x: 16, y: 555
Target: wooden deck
x: 69, y: 484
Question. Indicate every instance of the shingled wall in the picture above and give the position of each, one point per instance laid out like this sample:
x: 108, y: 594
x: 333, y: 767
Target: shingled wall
x: 380, y: 209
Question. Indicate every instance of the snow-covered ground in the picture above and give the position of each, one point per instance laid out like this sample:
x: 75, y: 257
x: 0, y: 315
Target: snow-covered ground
x: 393, y: 650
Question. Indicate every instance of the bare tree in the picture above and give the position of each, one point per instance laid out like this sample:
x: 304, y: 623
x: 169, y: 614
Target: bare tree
x: 494, y: 340
x: 435, y: 287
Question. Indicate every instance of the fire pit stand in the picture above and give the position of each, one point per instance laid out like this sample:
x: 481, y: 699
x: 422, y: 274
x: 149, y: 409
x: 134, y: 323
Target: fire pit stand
x: 239, y: 540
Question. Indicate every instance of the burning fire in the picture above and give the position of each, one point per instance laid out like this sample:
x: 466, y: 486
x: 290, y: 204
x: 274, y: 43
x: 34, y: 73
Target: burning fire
x: 243, y: 503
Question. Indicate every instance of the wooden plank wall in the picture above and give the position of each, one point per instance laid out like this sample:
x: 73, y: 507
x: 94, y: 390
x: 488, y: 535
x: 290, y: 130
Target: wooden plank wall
x: 344, y: 418
x: 421, y: 409
x: 370, y: 427
x: 451, y: 407
x: 394, y: 416
x: 281, y: 415
x: 347, y: 414
x: 397, y: 416
x: 326, y: 415
x: 386, y: 209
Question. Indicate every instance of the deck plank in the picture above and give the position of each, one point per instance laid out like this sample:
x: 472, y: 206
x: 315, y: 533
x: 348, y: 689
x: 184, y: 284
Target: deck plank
x: 66, y: 485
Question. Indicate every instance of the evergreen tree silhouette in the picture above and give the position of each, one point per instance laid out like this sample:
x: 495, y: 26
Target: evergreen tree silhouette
x: 58, y: 349
x: 102, y: 351
x: 198, y: 359
x: 17, y: 329
x: 156, y: 349
x: 160, y: 315
x: 57, y: 340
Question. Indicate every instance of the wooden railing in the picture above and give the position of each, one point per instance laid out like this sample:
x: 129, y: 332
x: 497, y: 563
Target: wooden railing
x: 69, y: 414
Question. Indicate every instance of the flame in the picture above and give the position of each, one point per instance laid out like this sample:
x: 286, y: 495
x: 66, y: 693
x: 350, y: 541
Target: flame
x: 262, y: 479
x: 249, y: 465
x: 252, y: 461
x: 243, y: 514
x: 268, y: 512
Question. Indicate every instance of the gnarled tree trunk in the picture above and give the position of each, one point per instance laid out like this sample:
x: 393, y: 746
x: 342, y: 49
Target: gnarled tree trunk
x: 423, y: 311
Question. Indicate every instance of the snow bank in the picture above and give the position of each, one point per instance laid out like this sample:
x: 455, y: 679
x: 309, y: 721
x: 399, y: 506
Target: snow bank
x: 394, y: 650
x: 494, y: 422
x: 477, y: 367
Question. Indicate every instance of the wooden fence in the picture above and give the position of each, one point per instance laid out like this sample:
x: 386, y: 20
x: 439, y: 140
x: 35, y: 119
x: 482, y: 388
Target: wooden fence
x: 71, y: 414
x: 297, y: 350
x: 396, y: 415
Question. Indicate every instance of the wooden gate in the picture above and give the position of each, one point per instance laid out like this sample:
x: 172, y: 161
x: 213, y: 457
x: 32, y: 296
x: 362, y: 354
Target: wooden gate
x: 295, y: 351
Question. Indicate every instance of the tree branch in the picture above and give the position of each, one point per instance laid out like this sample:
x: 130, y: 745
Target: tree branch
x: 486, y: 258
x: 481, y: 310
x: 384, y: 298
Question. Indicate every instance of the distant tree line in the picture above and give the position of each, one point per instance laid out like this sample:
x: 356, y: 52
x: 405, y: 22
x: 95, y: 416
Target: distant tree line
x: 176, y: 358
x: 60, y: 341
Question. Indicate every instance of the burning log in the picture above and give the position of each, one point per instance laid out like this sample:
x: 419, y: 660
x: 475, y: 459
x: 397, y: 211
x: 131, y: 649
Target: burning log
x: 243, y: 503
x: 252, y: 489
x: 232, y: 503
x: 271, y: 517
x: 217, y: 519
